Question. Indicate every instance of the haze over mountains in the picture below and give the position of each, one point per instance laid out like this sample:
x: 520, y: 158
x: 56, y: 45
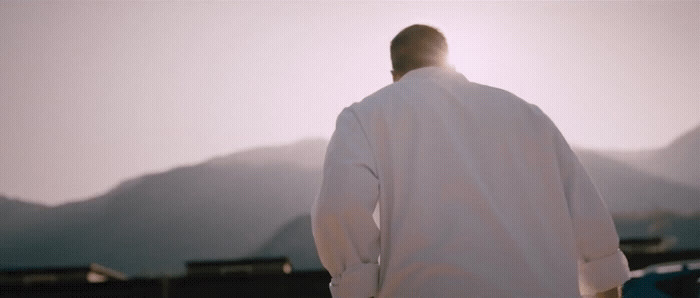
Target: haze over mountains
x: 256, y: 203
x: 667, y: 178
x: 627, y: 189
x: 224, y: 208
x: 678, y: 162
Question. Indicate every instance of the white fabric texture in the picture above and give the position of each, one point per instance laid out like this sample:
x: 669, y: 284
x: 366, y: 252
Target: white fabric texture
x: 478, y: 192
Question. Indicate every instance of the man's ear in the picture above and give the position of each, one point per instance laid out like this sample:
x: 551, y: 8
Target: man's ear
x: 396, y: 75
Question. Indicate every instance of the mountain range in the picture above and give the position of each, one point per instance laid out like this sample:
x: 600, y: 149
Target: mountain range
x: 255, y: 203
x: 678, y: 162
x: 628, y: 189
x: 224, y: 208
x: 667, y: 178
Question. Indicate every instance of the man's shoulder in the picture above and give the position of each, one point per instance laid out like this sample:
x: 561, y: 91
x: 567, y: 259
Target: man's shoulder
x: 487, y: 91
x: 392, y: 90
x: 375, y: 100
x: 511, y: 104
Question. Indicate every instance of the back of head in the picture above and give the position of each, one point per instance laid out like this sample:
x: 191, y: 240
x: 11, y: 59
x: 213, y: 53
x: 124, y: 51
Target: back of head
x: 418, y: 46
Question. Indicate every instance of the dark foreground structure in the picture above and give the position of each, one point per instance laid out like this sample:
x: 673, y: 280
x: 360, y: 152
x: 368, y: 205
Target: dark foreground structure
x: 304, y: 284
x: 672, y: 279
x: 274, y: 278
x: 271, y: 277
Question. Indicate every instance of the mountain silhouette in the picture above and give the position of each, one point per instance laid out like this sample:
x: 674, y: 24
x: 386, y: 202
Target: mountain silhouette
x: 223, y: 208
x: 678, y: 162
x: 627, y: 189
x: 295, y: 241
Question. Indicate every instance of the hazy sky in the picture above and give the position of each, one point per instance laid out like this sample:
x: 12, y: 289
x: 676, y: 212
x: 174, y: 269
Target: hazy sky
x: 92, y: 92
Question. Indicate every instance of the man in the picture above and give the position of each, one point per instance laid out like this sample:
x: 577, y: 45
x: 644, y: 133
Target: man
x: 478, y: 192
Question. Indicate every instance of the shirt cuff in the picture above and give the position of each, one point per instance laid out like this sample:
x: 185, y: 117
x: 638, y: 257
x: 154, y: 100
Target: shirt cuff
x: 603, y: 274
x: 357, y: 281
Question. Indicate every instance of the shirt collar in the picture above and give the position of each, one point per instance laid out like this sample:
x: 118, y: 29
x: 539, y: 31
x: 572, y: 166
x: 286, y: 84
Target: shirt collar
x: 431, y: 71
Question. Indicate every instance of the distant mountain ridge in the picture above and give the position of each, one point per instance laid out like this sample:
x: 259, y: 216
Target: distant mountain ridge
x: 8, y: 205
x: 256, y: 203
x: 678, y: 162
x: 627, y: 189
x: 307, y: 153
x: 224, y: 208
x: 294, y: 240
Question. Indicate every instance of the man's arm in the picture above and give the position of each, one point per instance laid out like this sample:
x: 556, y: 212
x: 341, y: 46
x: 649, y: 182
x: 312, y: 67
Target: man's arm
x: 347, y: 239
x: 602, y: 266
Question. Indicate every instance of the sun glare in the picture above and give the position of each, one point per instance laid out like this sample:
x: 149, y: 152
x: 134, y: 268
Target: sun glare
x: 468, y: 55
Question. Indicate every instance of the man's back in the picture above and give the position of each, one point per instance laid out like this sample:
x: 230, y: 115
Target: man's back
x: 470, y: 189
x: 479, y: 195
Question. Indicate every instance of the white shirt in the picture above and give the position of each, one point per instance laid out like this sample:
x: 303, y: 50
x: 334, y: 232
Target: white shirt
x: 478, y: 193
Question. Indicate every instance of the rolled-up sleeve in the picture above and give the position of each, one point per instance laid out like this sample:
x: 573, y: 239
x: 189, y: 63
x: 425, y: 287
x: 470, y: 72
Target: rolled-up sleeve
x: 602, y: 266
x: 346, y: 236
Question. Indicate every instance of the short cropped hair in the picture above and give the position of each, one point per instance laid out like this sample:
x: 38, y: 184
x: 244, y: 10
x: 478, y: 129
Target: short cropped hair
x: 418, y: 46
